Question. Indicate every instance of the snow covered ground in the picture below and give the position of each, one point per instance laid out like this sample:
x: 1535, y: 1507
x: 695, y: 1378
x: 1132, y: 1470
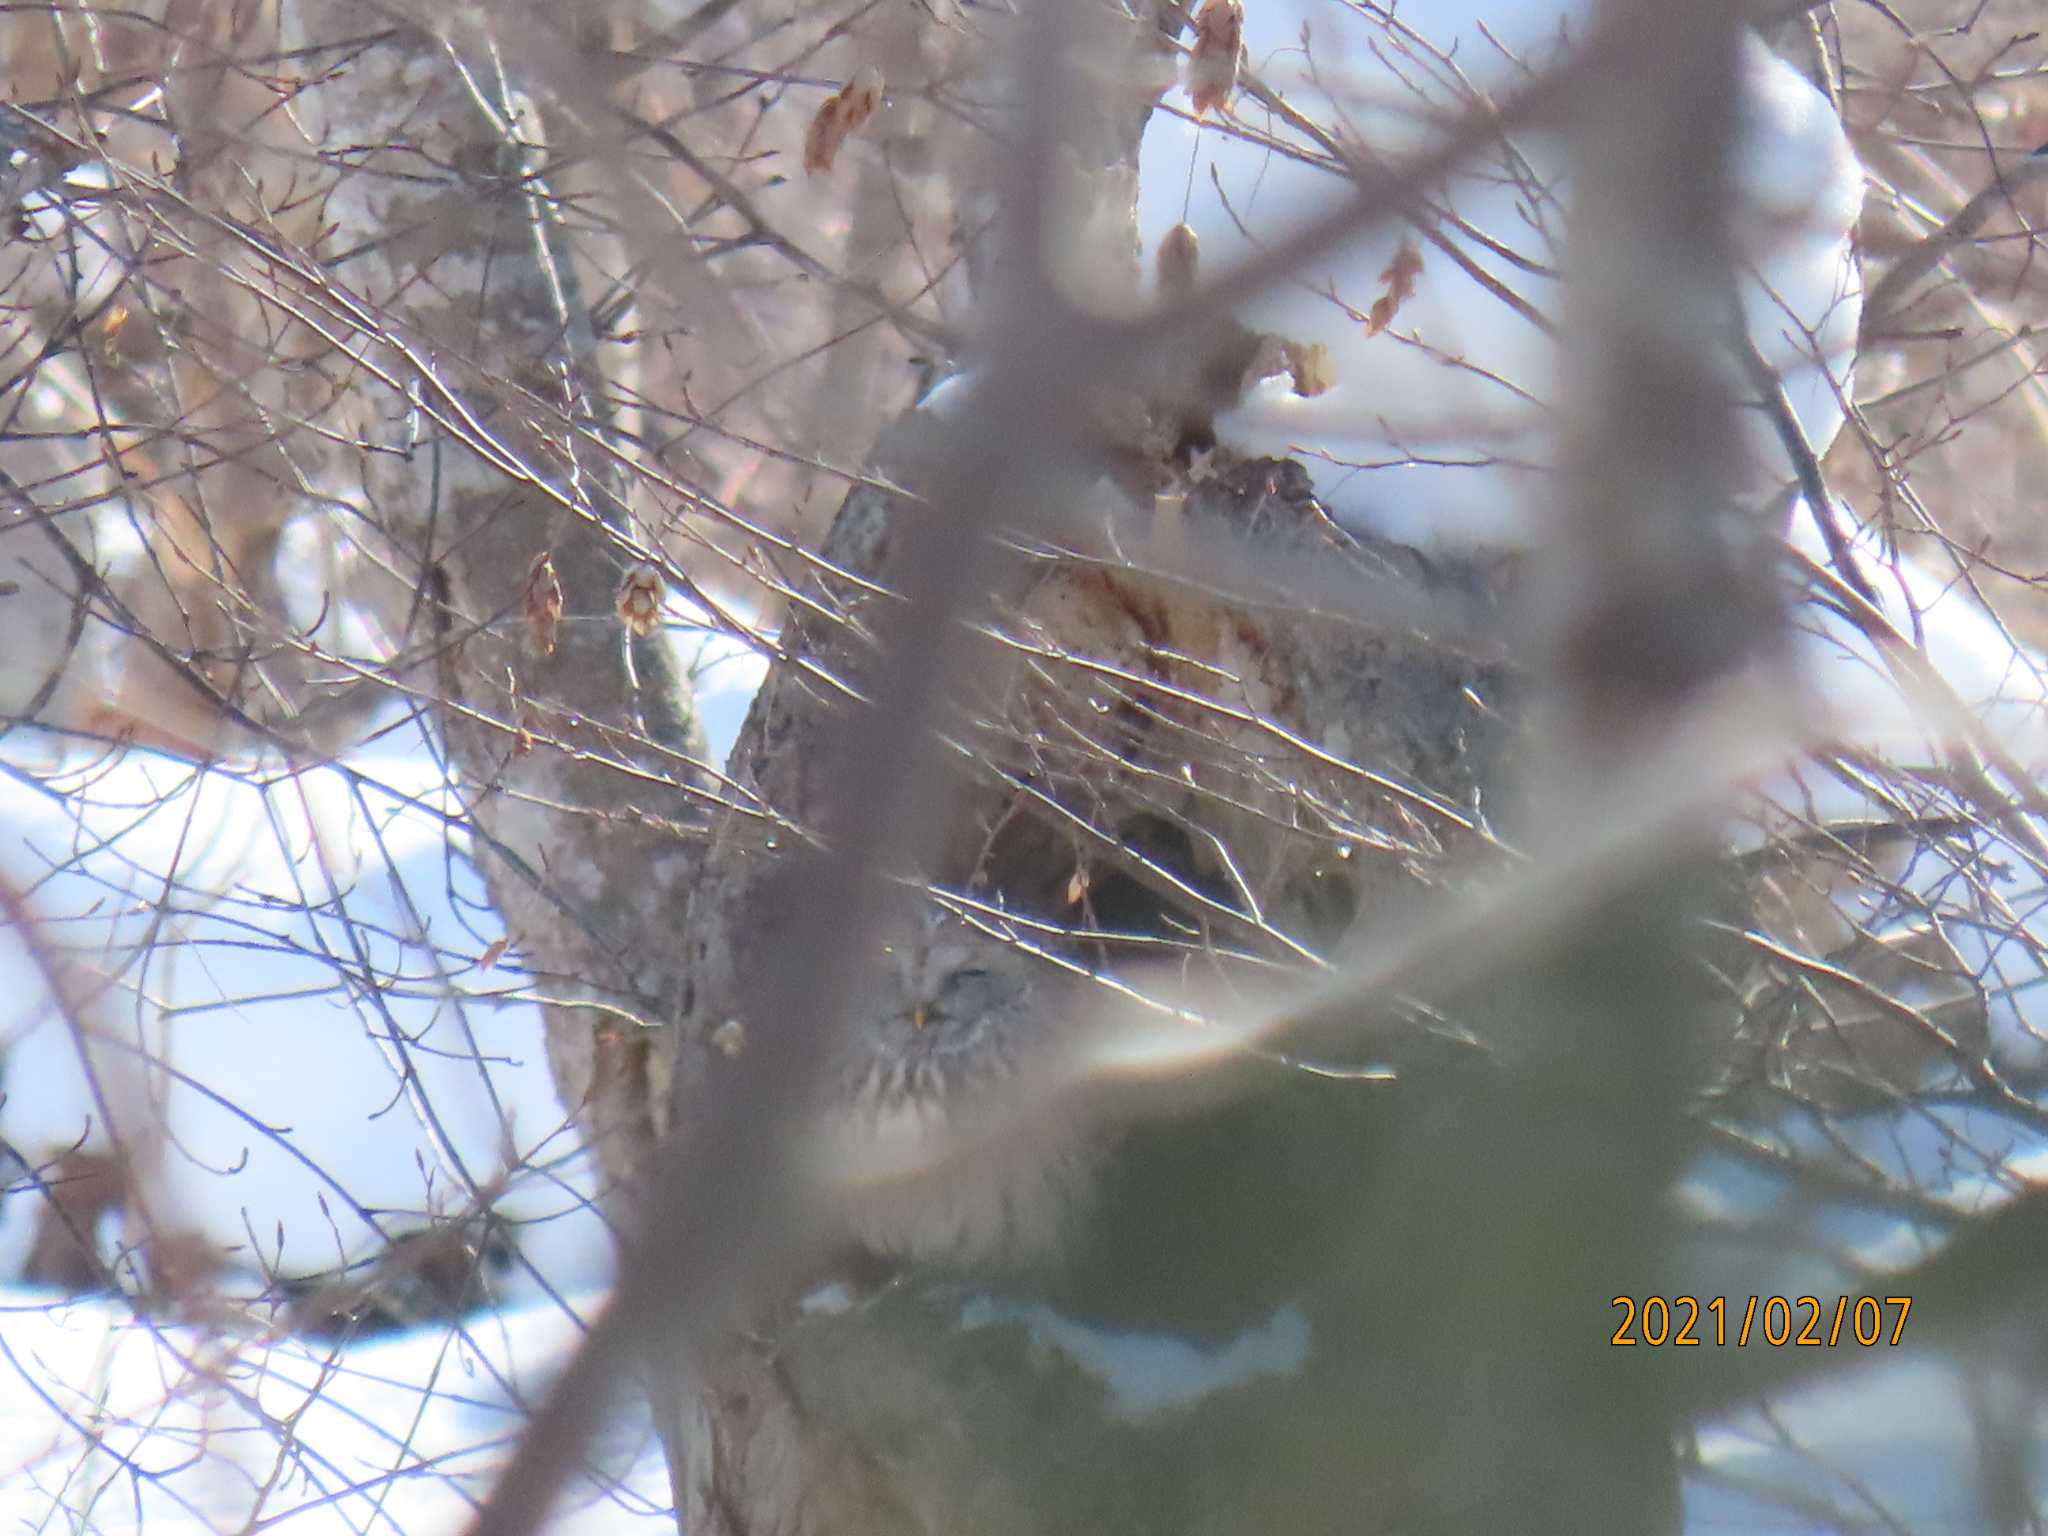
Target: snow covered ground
x: 117, y: 1424
x: 299, y: 953
x: 286, y: 973
x: 305, y: 956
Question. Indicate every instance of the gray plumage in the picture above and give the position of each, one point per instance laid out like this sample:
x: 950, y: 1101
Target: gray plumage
x: 947, y: 1139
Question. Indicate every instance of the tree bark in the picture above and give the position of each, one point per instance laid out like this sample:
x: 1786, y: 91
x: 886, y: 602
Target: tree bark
x: 573, y: 737
x: 1144, y: 769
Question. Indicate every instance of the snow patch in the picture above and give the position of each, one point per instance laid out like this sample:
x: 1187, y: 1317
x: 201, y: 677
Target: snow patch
x: 1148, y: 1374
x: 1435, y: 430
x: 283, y: 972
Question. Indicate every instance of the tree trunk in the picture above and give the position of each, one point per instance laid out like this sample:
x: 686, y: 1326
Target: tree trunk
x: 573, y: 736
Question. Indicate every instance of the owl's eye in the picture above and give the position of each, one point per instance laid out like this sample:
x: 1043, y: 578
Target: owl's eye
x: 922, y: 1013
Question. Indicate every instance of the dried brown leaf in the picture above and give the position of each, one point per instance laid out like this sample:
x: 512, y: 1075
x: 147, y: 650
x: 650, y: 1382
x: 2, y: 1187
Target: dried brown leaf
x: 494, y: 953
x: 639, y: 599
x: 1212, y: 63
x: 1399, y: 275
x: 543, y: 603
x: 841, y: 116
x: 823, y: 138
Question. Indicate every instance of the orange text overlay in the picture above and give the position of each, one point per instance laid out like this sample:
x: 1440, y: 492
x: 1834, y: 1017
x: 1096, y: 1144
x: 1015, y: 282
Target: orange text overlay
x: 1774, y: 1320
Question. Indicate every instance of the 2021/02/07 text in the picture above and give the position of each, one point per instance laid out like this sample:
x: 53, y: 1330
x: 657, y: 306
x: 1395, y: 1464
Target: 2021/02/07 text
x: 1775, y: 1320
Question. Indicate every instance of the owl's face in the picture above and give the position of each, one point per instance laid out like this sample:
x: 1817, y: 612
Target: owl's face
x: 944, y: 1139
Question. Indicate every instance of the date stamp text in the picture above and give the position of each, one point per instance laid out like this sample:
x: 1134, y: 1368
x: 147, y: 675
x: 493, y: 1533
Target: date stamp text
x: 1867, y: 1321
